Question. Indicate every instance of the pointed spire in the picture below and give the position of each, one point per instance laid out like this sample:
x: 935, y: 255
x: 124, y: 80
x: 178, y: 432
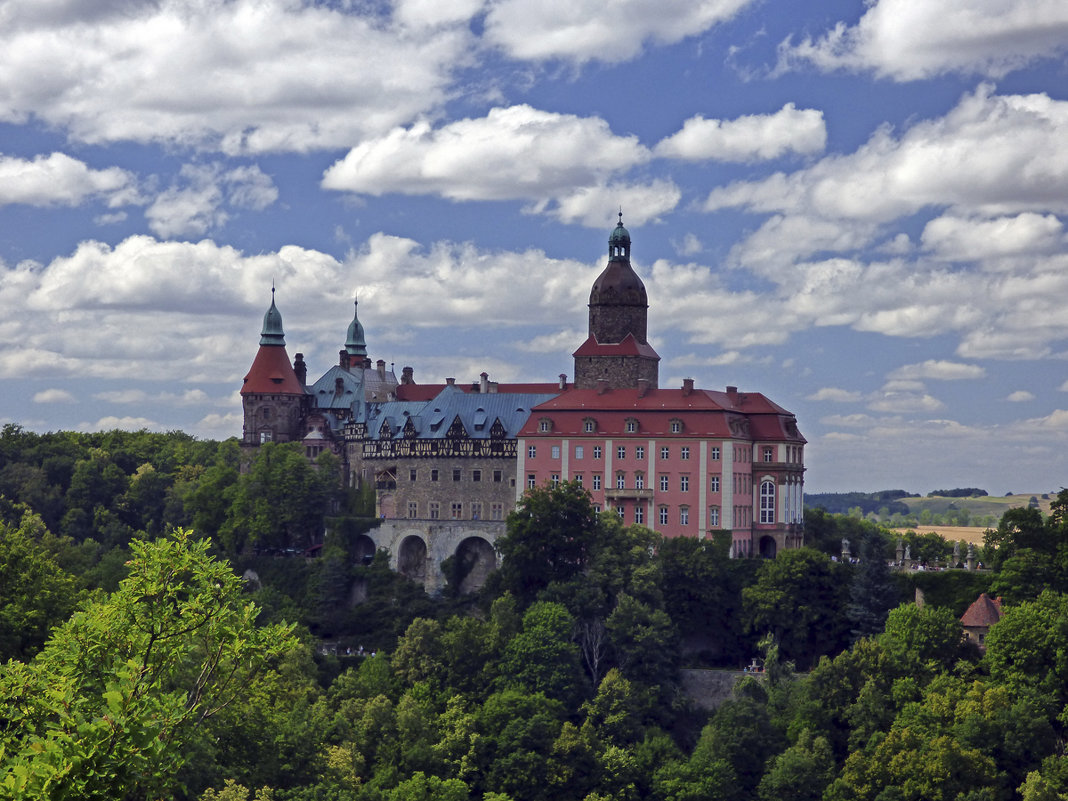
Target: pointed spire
x: 272, y: 333
x: 619, y: 241
x: 355, y: 343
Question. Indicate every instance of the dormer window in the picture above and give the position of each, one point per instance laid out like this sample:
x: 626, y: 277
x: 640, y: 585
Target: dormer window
x: 589, y: 425
x: 545, y: 425
x: 676, y: 426
x: 631, y: 425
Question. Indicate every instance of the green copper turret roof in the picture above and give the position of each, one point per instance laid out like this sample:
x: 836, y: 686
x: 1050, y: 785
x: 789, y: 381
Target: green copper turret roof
x: 355, y: 344
x: 272, y: 333
x: 619, y: 242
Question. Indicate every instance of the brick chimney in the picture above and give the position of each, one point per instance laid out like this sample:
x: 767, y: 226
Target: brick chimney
x: 563, y: 381
x: 483, y: 382
x: 687, y: 386
x: 407, y: 375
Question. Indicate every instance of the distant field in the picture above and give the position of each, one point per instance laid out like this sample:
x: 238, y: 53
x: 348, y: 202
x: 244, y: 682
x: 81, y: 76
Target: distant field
x: 986, y: 505
x: 952, y: 533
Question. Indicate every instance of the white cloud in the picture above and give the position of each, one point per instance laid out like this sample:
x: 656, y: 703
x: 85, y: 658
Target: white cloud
x: 54, y: 396
x: 914, y: 39
x: 1019, y: 396
x: 512, y: 153
x: 110, y: 423
x: 59, y: 180
x: 587, y: 30
x: 586, y: 206
x: 904, y: 402
x: 195, y: 204
x: 755, y: 137
x: 241, y: 76
x: 952, y: 238
x: 939, y: 370
x: 835, y: 395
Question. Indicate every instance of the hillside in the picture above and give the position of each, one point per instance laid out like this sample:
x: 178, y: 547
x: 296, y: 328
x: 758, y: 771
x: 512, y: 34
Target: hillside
x: 931, y: 513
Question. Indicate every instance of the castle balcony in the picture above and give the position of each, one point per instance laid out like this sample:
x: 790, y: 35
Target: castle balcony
x: 615, y: 493
x: 385, y: 485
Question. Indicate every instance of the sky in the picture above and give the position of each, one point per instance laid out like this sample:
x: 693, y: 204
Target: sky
x: 856, y: 208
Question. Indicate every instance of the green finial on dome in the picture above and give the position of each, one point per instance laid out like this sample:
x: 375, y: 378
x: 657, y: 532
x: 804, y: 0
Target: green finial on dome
x: 355, y: 344
x: 272, y: 333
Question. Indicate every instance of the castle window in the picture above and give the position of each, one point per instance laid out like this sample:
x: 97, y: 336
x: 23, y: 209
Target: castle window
x: 769, y: 453
x: 589, y: 426
x: 713, y: 517
x: 676, y: 426
x: 596, y: 451
x: 498, y: 476
x: 663, y: 515
x: 621, y: 452
x: 596, y: 481
x: 496, y: 511
x: 476, y: 475
x: 665, y: 452
x: 684, y: 483
x: 456, y: 510
x: 639, y: 514
x: 412, y: 474
x: 621, y: 480
x: 639, y: 480
x: 713, y: 484
x: 413, y: 510
x: 664, y: 485
x: 532, y: 481
x: 579, y: 451
x: 265, y: 436
x: 767, y: 502
x: 545, y: 425
x: 619, y: 512
x: 532, y: 451
x: 554, y: 479
x: 631, y: 426
x: 476, y: 510
x: 714, y: 453
x: 433, y: 475
x: 684, y: 452
x: 434, y: 510
x: 684, y: 515
x: 639, y: 452
x: 578, y: 479
x: 597, y: 508
x: 556, y: 451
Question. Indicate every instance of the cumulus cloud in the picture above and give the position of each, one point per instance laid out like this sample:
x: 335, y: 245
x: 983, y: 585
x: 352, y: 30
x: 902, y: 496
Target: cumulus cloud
x: 1019, y: 396
x: 835, y: 395
x: 54, y: 396
x: 242, y: 76
x: 561, y: 161
x: 197, y: 202
x: 938, y: 369
x: 952, y: 238
x: 59, y: 180
x: 914, y: 39
x: 755, y: 137
x: 587, y: 30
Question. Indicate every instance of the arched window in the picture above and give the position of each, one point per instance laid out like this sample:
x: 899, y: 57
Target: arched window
x: 767, y: 502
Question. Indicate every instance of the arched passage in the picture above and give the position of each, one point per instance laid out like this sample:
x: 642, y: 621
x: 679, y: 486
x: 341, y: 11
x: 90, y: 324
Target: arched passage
x: 364, y: 549
x: 768, y: 547
x: 475, y: 560
x: 411, y: 558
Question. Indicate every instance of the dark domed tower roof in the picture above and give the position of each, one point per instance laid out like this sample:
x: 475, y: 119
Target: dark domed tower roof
x: 355, y: 342
x: 618, y: 301
x: 272, y: 333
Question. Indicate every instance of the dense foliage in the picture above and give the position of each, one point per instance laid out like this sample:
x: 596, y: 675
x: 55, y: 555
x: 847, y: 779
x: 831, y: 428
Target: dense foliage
x: 143, y: 667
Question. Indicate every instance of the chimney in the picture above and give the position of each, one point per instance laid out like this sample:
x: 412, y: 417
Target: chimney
x: 381, y: 365
x: 343, y: 358
x: 563, y: 381
x: 687, y: 386
x: 602, y: 386
x: 451, y: 382
x: 301, y: 369
x: 483, y: 382
x: 407, y: 375
x: 643, y: 387
x: 732, y: 395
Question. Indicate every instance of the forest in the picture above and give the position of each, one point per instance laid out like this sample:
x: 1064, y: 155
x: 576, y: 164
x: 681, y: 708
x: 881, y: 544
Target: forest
x: 139, y: 664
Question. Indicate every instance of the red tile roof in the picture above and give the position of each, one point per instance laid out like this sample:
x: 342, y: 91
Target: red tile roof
x: 271, y: 373
x: 984, y: 612
x: 628, y: 347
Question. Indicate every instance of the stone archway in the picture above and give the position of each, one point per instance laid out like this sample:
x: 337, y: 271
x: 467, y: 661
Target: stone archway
x: 411, y: 558
x: 475, y: 560
x: 768, y: 547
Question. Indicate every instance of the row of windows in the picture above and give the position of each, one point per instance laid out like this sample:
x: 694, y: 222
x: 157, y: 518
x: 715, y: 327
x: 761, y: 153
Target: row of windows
x: 589, y: 425
x: 621, y: 452
x: 457, y: 475
x: 741, y: 480
x: 474, y: 510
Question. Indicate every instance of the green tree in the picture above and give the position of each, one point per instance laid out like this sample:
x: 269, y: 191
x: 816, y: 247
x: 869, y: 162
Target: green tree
x: 107, y: 708
x: 872, y: 591
x: 541, y: 658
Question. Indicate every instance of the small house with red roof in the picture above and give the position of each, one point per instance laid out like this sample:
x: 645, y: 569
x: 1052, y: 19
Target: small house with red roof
x: 979, y: 617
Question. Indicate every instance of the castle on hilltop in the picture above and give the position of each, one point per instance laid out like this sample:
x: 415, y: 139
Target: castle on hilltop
x: 449, y: 461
